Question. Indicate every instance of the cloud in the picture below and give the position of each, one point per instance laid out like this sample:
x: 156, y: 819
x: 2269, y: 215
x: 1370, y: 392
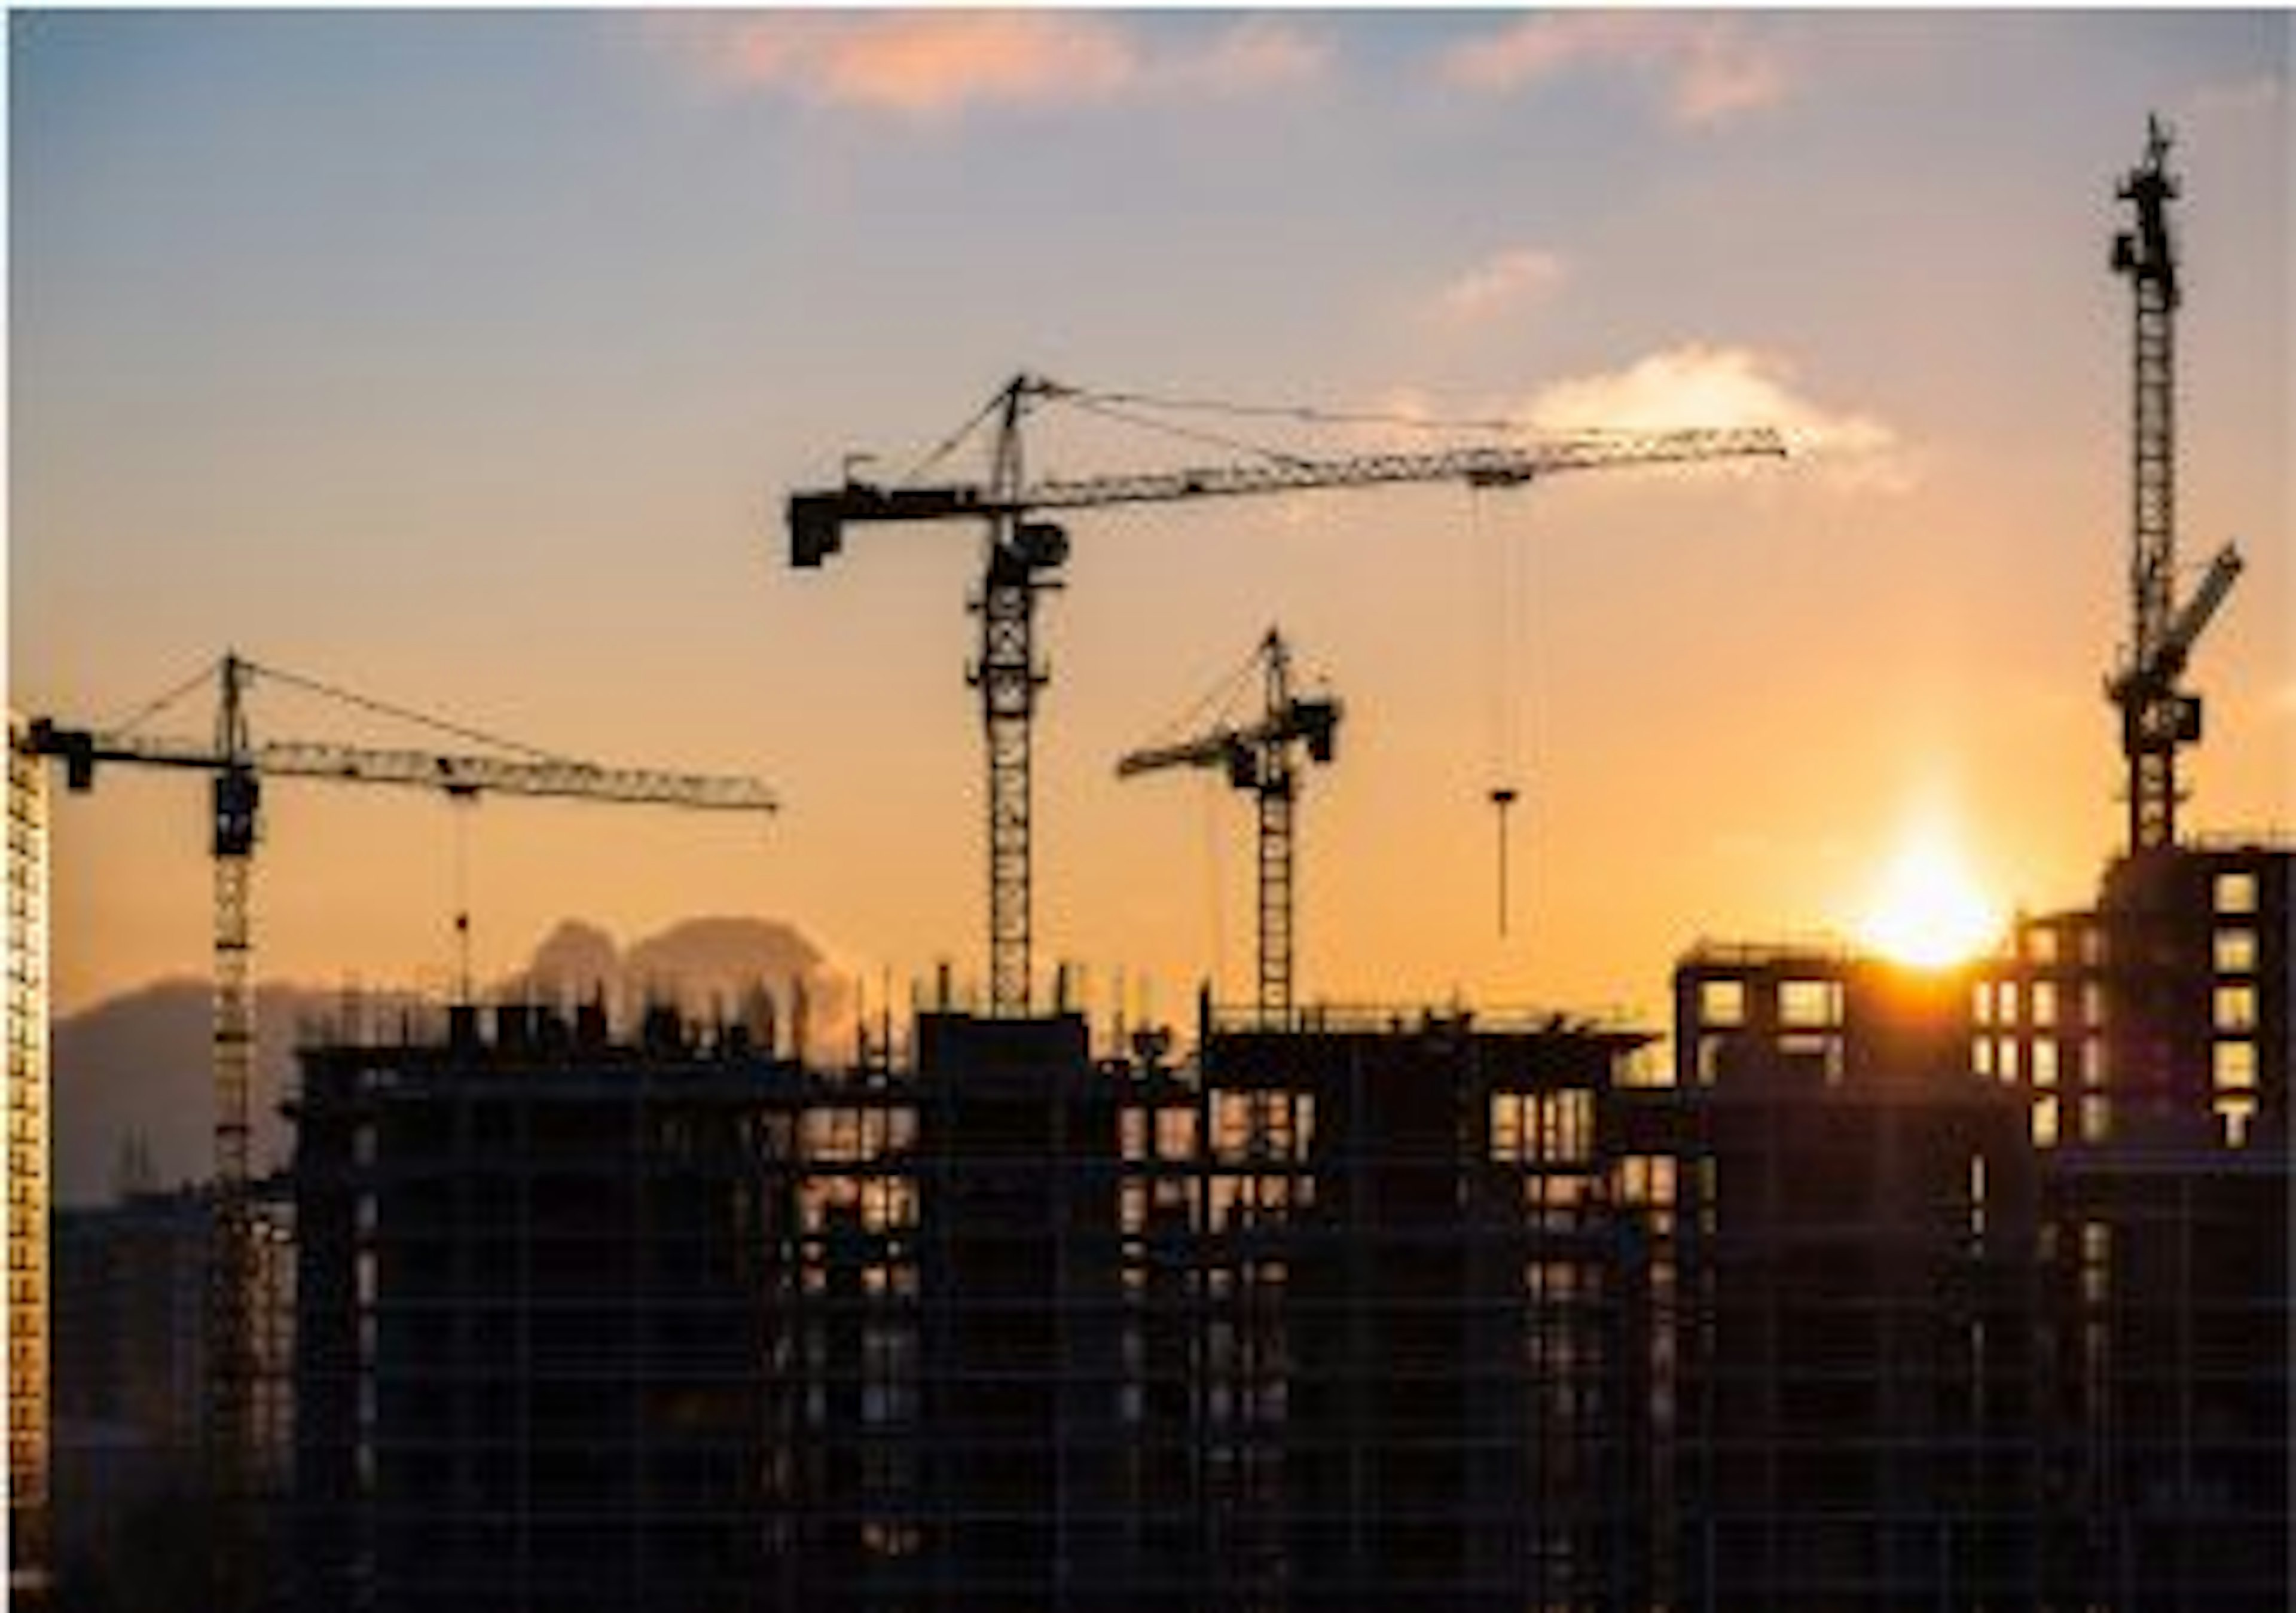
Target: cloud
x: 1509, y: 280
x: 934, y: 64
x: 1698, y: 385
x: 1707, y: 68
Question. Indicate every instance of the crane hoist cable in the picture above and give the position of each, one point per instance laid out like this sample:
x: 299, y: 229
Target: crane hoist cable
x: 459, y: 811
x: 1494, y: 560
x: 1215, y: 866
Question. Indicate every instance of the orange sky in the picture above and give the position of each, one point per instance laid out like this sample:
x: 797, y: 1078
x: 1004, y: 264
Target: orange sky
x: 465, y: 361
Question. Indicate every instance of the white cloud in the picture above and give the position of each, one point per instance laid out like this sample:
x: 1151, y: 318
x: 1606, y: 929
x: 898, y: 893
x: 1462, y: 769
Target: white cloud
x: 1504, y: 282
x: 1694, y: 386
x: 1706, y: 68
x: 933, y: 64
x: 1699, y: 385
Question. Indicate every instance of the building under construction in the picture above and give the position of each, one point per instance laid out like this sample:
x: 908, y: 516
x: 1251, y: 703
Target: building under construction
x: 2151, y: 1039
x: 1959, y: 1288
x: 1328, y: 1318
x: 1984, y: 1273
x: 542, y: 1357
x: 1850, y: 1336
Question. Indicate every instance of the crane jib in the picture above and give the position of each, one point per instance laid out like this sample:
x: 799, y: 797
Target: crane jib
x: 817, y: 520
x: 81, y: 750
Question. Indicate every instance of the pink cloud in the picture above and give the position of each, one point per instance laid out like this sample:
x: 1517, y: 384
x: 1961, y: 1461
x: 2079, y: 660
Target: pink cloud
x: 1508, y: 279
x: 1708, y: 68
x: 926, y: 64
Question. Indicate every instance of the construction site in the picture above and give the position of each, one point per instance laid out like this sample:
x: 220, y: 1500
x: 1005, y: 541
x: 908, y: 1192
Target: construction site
x: 1859, y: 1285
x: 1350, y: 1308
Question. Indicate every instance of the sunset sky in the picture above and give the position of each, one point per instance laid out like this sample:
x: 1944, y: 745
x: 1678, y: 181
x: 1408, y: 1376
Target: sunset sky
x: 465, y: 360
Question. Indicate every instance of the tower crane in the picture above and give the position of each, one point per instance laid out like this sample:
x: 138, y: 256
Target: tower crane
x: 238, y: 765
x: 1024, y: 553
x: 1263, y: 757
x: 2157, y: 718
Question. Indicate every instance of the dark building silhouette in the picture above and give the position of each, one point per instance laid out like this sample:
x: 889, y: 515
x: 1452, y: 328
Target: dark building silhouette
x: 538, y: 1363
x: 2151, y: 1037
x: 1414, y: 1297
x: 1019, y: 1359
x: 1985, y: 1271
x: 131, y: 1351
x: 1953, y: 1288
x: 1852, y: 1336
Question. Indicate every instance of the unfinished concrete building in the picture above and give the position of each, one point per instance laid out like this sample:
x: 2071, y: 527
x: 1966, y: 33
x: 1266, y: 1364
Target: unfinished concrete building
x: 1851, y: 1334
x: 1985, y: 1287
x: 1328, y: 1319
x: 1415, y: 1297
x: 1344, y: 1311
x: 538, y: 1362
x: 2151, y: 1037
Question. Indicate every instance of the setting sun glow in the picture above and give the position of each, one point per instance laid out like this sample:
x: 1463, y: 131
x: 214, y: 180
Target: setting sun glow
x: 1927, y: 911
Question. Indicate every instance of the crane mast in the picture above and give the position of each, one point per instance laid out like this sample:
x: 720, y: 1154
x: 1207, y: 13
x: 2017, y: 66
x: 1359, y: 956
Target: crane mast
x: 232, y: 1366
x: 1264, y: 759
x: 1023, y: 554
x: 2157, y: 718
x: 238, y: 765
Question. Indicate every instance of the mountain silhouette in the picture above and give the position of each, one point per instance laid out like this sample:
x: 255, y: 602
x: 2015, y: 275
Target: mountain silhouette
x: 131, y: 1073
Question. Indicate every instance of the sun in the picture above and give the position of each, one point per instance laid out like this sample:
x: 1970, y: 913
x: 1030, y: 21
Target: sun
x: 1927, y: 911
